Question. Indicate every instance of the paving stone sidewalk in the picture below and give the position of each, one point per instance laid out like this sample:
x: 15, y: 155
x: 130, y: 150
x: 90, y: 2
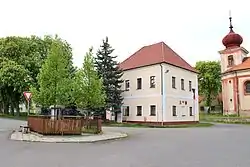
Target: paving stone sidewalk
x: 33, y: 137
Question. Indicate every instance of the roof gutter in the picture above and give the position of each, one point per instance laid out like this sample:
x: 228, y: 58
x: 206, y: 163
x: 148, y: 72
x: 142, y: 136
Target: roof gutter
x: 163, y: 92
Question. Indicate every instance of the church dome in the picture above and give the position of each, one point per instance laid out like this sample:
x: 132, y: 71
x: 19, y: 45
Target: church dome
x: 232, y: 39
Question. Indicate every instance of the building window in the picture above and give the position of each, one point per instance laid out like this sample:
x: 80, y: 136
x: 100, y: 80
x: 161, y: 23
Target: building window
x: 152, y: 110
x: 174, y: 111
x: 182, y: 84
x: 152, y: 82
x: 173, y: 83
x: 247, y: 87
x: 230, y: 60
x: 139, y: 111
x: 126, y: 111
x: 190, y: 86
x: 139, y: 83
x: 127, y: 85
x: 191, y: 111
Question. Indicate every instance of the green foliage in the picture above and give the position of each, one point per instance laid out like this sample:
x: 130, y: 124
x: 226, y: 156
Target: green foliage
x: 13, y: 75
x: 110, y: 73
x: 54, y: 79
x: 21, y: 54
x: 209, y: 79
x: 88, y: 88
x: 12, y: 83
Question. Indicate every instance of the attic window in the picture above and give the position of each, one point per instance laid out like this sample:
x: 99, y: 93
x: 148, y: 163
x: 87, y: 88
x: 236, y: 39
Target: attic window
x: 230, y: 60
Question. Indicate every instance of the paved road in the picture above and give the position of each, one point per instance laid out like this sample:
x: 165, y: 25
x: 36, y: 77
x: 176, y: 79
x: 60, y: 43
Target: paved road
x: 218, y: 146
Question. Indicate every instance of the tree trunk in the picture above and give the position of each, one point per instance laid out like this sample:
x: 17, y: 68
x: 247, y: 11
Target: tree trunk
x: 17, y: 109
x: 12, y: 109
x: 6, y: 108
x: 104, y: 113
x: 1, y: 107
x: 116, y: 115
x: 208, y: 102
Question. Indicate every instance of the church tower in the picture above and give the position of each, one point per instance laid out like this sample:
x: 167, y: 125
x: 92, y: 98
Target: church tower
x: 233, y: 55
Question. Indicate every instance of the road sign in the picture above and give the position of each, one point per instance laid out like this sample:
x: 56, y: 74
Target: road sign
x: 27, y: 95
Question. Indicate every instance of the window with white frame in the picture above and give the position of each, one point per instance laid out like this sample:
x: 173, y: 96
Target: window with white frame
x: 127, y: 85
x: 173, y: 83
x: 191, y: 111
x: 152, y: 110
x: 182, y: 84
x: 152, y: 81
x: 190, y: 86
x: 126, y: 111
x: 139, y: 111
x: 174, y: 112
x: 139, y: 83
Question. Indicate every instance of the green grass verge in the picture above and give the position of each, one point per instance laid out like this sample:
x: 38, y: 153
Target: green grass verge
x: 21, y: 117
x: 157, y: 126
x: 228, y: 119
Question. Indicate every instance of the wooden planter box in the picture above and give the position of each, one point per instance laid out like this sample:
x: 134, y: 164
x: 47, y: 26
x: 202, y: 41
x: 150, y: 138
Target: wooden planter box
x: 66, y: 125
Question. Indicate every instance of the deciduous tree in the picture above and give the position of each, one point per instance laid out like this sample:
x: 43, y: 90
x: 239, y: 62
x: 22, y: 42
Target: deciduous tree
x: 88, y: 87
x: 30, y: 53
x: 12, y: 83
x: 54, y: 79
x: 209, y: 79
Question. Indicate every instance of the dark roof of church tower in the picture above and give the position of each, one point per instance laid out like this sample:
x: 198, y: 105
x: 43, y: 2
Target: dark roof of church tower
x: 232, y: 39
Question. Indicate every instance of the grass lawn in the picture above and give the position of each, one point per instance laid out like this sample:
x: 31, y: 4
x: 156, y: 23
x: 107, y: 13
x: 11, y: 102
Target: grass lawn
x: 114, y: 124
x: 229, y: 119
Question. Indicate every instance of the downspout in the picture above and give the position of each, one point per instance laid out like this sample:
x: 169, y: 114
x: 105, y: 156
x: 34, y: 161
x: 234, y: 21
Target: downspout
x: 162, y: 93
x: 237, y: 92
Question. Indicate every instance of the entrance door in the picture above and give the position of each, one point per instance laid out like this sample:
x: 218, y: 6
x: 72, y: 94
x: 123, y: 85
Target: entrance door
x: 183, y: 111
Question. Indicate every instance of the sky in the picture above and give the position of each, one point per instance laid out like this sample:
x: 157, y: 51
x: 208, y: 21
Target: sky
x: 192, y: 28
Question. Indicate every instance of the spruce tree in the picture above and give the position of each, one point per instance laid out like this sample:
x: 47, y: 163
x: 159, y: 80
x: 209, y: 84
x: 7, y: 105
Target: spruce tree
x: 109, y: 71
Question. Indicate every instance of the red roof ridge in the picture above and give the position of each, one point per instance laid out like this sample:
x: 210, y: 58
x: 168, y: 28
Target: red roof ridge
x: 180, y: 57
x: 154, y: 54
x: 162, y: 50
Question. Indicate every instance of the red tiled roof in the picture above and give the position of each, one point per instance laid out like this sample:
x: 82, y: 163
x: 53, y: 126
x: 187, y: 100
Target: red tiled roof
x: 242, y: 66
x: 154, y: 54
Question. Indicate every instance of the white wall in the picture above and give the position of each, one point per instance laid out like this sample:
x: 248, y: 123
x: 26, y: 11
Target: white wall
x: 174, y: 96
x: 152, y: 96
x: 144, y: 97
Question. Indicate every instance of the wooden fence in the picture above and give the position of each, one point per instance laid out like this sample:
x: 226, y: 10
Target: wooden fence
x: 65, y: 125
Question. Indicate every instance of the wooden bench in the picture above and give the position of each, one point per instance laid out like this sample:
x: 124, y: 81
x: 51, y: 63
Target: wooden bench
x: 25, y: 129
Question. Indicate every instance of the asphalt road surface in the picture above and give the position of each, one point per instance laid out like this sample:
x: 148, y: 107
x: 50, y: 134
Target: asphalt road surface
x: 218, y: 146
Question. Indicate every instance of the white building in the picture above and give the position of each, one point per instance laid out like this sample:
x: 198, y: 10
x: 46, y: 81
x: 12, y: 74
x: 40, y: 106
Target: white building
x: 160, y: 87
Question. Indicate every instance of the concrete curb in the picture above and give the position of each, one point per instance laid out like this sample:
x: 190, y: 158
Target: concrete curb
x: 32, y: 137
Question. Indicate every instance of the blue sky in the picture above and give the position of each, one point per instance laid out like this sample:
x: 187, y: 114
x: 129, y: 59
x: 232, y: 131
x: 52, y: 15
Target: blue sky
x: 193, y: 28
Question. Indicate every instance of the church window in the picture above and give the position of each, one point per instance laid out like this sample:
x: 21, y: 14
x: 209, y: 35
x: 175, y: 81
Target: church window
x: 247, y: 87
x: 230, y: 60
